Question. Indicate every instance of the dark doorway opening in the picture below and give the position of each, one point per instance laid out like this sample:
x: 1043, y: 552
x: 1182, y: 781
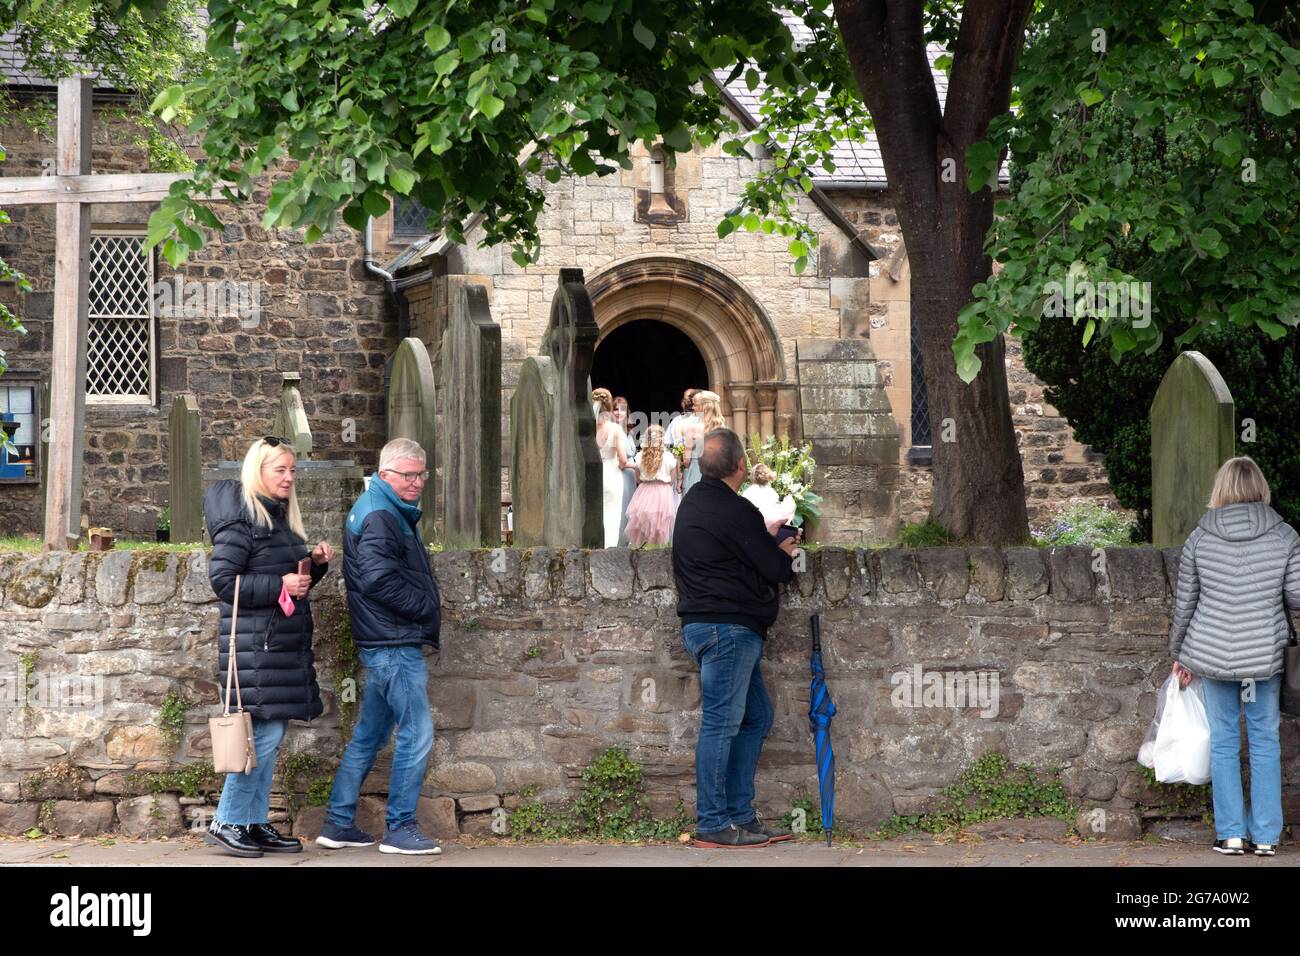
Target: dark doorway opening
x: 651, y: 363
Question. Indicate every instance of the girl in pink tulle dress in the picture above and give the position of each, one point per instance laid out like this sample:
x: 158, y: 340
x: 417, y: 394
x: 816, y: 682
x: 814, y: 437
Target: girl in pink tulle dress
x: 651, y: 511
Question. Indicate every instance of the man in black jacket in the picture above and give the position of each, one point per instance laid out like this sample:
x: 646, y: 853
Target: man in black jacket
x: 727, y: 565
x: 395, y: 609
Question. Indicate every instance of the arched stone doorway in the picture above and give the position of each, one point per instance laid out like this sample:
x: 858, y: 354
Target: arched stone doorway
x: 651, y: 363
x: 733, y: 334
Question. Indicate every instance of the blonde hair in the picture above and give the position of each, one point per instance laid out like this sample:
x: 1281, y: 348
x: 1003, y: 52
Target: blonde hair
x: 1238, y: 480
x: 603, y: 397
x: 762, y: 474
x: 652, y: 450
x: 710, y: 411
x: 260, y: 453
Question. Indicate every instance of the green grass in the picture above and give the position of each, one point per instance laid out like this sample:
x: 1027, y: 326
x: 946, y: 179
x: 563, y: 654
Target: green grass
x: 33, y: 544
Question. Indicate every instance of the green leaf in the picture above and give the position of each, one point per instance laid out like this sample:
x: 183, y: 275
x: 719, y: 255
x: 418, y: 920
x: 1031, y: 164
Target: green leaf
x: 981, y: 165
x: 678, y: 138
x: 375, y: 203
x: 726, y: 227
x: 167, y: 102
x: 401, y: 180
x: 1091, y: 96
x: 490, y: 106
x: 354, y: 214
x: 1222, y: 77
x: 643, y: 35
x: 402, y: 8
x: 1274, y: 102
x: 1272, y: 329
x: 446, y: 63
x: 436, y: 37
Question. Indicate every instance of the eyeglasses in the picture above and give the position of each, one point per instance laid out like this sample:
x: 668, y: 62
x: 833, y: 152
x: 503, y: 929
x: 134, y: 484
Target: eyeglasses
x: 410, y: 475
x: 276, y: 440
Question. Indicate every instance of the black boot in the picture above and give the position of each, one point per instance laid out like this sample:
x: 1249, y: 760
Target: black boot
x: 234, y: 839
x: 266, y: 837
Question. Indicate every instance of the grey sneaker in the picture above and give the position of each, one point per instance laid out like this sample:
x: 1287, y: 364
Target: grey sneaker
x: 408, y: 839
x: 1264, y: 849
x: 336, y: 837
x: 732, y: 838
x: 773, y: 834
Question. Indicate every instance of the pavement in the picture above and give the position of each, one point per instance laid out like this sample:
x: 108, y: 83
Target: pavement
x: 959, y: 851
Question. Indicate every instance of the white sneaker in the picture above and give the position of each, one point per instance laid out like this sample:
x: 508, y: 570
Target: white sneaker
x: 1233, y: 846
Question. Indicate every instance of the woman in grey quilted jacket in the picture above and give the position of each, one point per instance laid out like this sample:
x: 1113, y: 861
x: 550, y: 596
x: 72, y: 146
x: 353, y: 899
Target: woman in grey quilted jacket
x: 1238, y: 574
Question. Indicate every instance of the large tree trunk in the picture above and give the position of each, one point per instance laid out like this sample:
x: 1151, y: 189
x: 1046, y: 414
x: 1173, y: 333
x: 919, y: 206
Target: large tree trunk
x: 979, y: 486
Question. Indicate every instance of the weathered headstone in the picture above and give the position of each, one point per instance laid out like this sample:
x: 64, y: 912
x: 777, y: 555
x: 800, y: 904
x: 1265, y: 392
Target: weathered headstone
x: 291, y: 416
x: 185, y: 470
x: 471, y: 432
x: 570, y: 472
x: 412, y: 398
x: 532, y: 410
x: 1192, y: 433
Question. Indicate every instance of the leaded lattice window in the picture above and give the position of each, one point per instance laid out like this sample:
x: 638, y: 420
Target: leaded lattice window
x: 920, y: 400
x: 409, y: 218
x: 120, y: 347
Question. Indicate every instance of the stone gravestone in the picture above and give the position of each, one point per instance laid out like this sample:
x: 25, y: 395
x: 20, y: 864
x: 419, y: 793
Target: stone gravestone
x: 185, y: 470
x: 532, y: 410
x: 554, y: 462
x: 412, y: 406
x: 291, y: 417
x: 1192, y: 433
x: 471, y: 422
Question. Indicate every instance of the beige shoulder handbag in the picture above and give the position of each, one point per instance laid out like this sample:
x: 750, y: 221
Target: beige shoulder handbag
x: 232, y: 734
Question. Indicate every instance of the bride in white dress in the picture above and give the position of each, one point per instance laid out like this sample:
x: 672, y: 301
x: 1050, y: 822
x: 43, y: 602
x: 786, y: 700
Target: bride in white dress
x: 613, y: 459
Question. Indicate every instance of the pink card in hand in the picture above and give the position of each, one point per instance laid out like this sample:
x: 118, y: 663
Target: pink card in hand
x: 286, y: 602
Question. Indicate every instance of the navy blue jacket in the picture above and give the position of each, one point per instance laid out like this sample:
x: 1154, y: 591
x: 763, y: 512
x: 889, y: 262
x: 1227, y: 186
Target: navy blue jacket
x: 392, y: 596
x: 276, y: 668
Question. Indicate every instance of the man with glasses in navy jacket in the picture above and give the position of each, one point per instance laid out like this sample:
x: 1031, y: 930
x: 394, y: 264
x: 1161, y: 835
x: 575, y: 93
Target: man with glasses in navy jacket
x: 396, y: 610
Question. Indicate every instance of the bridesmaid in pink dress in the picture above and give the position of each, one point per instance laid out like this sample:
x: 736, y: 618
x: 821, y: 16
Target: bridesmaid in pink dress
x: 652, y: 509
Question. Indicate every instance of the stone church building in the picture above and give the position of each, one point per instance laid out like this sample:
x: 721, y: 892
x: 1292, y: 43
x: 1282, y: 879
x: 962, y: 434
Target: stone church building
x: 827, y: 356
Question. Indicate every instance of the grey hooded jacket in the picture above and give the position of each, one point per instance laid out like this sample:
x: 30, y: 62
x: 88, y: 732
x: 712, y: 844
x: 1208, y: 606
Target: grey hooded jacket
x: 1239, y: 566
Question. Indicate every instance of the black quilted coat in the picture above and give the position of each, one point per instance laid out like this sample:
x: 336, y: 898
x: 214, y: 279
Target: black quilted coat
x: 276, y: 669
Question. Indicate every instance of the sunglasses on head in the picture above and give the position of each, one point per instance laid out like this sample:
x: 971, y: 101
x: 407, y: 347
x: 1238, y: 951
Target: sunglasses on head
x: 276, y: 440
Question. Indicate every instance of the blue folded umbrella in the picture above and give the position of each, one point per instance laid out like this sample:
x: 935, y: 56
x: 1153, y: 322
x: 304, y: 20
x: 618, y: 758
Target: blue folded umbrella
x: 820, y: 711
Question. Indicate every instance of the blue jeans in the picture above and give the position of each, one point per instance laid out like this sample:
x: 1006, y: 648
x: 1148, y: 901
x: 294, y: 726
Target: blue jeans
x: 246, y: 797
x: 737, y: 715
x: 396, y: 694
x: 1223, y: 706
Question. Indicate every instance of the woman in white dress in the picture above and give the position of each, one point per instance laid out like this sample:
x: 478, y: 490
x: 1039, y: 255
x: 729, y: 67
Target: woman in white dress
x: 776, y: 511
x: 621, y: 415
x: 613, y: 459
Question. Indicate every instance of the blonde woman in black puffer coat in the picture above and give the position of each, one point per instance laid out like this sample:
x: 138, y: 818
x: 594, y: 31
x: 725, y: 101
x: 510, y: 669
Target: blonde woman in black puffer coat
x: 257, y: 535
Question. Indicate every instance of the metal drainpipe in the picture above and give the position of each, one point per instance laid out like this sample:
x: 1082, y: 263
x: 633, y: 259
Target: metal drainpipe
x: 390, y: 284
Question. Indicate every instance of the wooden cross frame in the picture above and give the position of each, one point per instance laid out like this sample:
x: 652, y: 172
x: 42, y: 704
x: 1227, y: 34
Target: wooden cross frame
x: 72, y: 190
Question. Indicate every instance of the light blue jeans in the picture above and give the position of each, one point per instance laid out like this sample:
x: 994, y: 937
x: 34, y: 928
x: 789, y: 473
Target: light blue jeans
x: 396, y: 695
x: 1223, y: 706
x: 246, y: 797
x: 736, y: 717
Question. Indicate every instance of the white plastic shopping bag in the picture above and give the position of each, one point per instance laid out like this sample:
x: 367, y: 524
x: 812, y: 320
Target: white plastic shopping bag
x: 1179, y: 752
